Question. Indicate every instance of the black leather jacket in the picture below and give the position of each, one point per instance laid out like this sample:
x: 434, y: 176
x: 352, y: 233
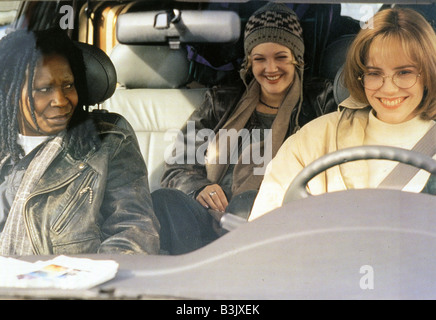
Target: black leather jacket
x: 98, y: 203
x: 214, y: 112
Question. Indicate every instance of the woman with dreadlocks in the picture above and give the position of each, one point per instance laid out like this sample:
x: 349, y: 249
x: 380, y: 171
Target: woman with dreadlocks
x: 64, y: 184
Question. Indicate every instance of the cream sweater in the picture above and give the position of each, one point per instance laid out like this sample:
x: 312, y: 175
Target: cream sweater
x: 349, y: 127
x: 404, y: 135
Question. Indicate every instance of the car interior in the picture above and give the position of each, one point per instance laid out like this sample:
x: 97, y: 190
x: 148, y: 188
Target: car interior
x: 164, y: 71
x: 149, y: 64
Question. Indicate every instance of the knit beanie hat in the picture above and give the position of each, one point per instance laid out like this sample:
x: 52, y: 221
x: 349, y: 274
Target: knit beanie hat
x: 275, y: 22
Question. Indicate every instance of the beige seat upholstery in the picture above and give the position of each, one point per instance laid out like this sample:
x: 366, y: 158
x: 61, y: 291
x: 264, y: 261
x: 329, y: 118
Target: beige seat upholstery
x: 153, y: 97
x: 153, y: 70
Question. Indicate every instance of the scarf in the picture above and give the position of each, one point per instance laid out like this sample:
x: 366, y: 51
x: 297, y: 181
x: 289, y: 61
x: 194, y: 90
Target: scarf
x: 14, y: 240
x: 245, y: 177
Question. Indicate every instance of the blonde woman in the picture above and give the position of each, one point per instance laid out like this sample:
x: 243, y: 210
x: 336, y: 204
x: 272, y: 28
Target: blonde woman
x: 270, y: 101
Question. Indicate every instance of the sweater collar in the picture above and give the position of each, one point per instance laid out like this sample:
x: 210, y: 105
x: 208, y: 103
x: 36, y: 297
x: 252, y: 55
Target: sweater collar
x: 351, y: 103
x: 351, y: 128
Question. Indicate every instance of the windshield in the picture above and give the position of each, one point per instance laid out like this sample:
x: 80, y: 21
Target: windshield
x: 128, y: 113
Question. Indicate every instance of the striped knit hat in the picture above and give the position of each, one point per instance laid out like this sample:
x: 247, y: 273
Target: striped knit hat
x: 275, y: 22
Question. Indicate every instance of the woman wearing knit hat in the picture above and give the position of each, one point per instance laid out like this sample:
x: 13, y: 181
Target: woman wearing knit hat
x: 223, y: 179
x: 390, y: 74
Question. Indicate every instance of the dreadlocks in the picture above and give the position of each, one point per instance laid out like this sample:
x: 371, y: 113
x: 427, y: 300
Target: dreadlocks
x: 19, y: 53
x: 15, y: 55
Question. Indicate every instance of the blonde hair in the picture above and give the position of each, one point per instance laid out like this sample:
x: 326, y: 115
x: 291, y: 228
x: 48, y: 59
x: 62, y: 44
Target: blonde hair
x: 418, y: 40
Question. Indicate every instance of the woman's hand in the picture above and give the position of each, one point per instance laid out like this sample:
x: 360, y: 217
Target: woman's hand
x: 213, y: 197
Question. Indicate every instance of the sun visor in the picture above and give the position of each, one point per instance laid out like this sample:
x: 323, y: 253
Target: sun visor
x: 178, y: 26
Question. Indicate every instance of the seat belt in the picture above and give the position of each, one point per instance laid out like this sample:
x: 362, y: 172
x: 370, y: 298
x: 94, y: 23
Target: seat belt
x: 403, y: 173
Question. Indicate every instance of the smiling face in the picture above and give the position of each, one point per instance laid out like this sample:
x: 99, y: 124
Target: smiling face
x: 391, y: 103
x: 273, y: 66
x: 55, y: 98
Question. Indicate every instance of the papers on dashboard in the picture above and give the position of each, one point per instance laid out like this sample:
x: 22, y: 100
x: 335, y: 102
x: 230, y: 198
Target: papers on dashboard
x: 61, y: 272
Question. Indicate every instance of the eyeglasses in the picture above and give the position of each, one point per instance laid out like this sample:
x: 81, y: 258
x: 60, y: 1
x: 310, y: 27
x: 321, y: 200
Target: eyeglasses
x: 403, y: 79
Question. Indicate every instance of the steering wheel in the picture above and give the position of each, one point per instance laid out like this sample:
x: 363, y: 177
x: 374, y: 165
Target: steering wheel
x: 297, y: 189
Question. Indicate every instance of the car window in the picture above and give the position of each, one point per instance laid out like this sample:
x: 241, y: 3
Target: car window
x: 8, y: 11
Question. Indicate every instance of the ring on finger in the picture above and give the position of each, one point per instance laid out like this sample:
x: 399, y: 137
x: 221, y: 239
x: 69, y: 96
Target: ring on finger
x: 212, y: 193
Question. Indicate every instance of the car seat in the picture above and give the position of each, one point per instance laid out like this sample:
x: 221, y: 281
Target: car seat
x: 101, y: 81
x: 101, y: 76
x: 152, y: 65
x: 151, y: 94
x: 340, y: 92
x: 333, y: 64
x: 334, y: 56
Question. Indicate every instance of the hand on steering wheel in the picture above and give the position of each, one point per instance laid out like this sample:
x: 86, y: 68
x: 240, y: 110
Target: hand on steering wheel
x: 213, y: 197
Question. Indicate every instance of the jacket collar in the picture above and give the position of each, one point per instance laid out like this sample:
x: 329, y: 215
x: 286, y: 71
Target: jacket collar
x: 351, y: 127
x: 351, y: 103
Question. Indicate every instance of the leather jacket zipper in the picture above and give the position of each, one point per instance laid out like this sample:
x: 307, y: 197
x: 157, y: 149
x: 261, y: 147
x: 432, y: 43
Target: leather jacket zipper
x: 91, y: 194
x: 26, y: 220
x: 62, y: 220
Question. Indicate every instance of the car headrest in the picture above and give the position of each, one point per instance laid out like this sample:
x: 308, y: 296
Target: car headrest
x: 340, y: 92
x: 178, y: 26
x: 334, y: 56
x: 145, y: 66
x: 101, y: 75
